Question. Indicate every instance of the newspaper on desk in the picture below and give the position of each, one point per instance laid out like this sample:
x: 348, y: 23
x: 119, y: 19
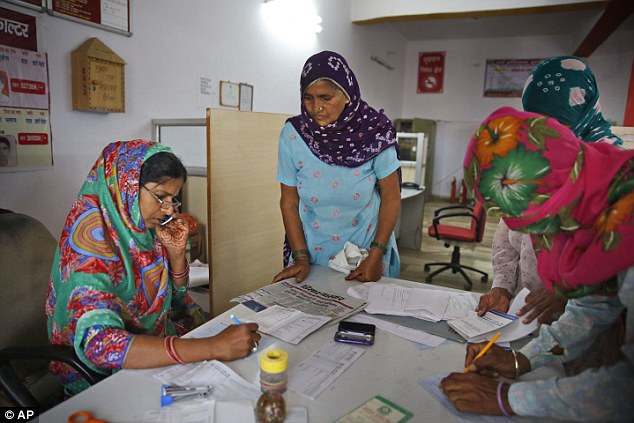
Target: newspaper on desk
x: 304, y: 298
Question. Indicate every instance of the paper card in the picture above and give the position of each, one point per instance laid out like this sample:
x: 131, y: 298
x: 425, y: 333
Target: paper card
x: 377, y: 410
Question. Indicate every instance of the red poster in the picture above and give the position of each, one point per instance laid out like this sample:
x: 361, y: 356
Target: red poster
x: 431, y: 72
x: 17, y: 30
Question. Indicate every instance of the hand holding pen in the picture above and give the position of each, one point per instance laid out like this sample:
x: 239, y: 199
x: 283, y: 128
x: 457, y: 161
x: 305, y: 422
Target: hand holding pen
x: 483, y: 351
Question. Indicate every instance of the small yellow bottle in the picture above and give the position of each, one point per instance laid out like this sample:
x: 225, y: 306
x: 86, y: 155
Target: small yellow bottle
x: 273, y: 366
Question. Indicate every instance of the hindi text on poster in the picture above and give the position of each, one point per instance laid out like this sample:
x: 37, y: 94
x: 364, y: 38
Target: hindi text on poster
x: 431, y: 72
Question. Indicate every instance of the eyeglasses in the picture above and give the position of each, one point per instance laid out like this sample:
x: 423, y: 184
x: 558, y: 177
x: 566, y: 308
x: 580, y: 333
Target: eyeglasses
x: 165, y: 205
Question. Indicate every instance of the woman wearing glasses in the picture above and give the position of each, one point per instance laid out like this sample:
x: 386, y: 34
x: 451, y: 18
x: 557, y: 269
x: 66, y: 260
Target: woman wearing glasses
x: 117, y: 292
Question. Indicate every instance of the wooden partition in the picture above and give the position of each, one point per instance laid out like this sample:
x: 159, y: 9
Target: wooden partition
x: 245, y: 232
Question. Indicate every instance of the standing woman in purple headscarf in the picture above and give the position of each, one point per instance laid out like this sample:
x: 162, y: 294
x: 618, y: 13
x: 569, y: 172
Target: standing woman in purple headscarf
x: 339, y: 172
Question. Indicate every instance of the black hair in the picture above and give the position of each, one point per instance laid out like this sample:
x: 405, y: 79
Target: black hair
x: 6, y: 141
x: 162, y: 167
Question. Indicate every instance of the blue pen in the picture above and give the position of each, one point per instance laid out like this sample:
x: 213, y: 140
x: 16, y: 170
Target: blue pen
x: 235, y: 320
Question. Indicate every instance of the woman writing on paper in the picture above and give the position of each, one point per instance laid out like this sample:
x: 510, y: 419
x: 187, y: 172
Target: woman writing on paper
x: 339, y: 172
x: 580, y: 214
x: 564, y: 88
x: 117, y: 292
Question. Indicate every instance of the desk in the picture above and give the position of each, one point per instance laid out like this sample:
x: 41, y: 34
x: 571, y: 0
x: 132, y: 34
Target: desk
x: 391, y: 368
x: 409, y: 226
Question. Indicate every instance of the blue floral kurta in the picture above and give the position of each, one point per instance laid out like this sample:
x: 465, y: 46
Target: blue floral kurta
x: 337, y: 203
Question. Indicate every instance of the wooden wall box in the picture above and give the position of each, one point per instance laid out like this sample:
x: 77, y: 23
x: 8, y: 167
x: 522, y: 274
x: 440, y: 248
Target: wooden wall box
x: 98, y: 78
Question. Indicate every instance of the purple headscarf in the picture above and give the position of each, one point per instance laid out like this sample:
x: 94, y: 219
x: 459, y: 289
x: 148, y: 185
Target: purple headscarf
x: 359, y: 134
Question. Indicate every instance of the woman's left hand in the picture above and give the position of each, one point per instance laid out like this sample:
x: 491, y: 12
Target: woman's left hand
x: 370, y: 269
x: 473, y: 393
x: 174, y: 235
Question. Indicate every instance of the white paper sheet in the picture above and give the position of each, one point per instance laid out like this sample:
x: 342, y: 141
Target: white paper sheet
x: 518, y: 329
x: 287, y: 324
x: 227, y: 384
x: 426, y: 304
x: 410, y: 334
x: 475, y: 328
x: 318, y: 371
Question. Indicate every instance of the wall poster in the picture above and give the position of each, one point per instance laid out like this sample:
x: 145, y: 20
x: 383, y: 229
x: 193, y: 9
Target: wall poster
x: 25, y: 129
x: 112, y: 15
x: 18, y: 30
x: 431, y: 72
x: 506, y: 77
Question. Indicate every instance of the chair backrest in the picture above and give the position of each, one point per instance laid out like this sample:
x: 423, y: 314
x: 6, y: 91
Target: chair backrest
x: 478, y: 225
x: 26, y: 256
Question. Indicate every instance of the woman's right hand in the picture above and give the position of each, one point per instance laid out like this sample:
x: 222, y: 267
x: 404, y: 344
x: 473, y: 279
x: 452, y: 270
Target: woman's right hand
x: 498, y: 299
x: 235, y: 342
x: 299, y: 269
x: 496, y: 362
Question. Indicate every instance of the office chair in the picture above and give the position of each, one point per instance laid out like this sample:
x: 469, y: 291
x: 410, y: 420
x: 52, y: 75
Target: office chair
x: 458, y: 237
x: 26, y: 256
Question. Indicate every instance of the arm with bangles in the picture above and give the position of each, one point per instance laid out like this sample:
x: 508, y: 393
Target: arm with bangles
x: 371, y: 269
x: 129, y: 351
x: 289, y: 205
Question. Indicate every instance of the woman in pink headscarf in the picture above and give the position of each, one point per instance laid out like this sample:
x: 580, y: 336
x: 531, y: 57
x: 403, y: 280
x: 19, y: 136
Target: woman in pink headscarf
x: 580, y: 214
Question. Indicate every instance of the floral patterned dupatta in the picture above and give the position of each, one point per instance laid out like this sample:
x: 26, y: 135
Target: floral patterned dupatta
x: 576, y: 199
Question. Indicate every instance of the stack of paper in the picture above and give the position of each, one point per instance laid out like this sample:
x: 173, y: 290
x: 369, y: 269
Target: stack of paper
x: 474, y: 328
x: 426, y: 304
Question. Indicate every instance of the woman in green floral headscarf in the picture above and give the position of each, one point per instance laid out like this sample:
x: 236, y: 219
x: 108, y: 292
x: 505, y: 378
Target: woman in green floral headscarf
x: 117, y: 292
x: 576, y: 200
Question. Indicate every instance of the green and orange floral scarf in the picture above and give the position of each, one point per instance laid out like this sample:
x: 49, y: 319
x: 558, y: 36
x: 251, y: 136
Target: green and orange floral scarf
x: 576, y: 199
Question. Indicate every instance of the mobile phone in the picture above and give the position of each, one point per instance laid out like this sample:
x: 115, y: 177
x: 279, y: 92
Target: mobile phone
x: 167, y: 220
x: 355, y: 333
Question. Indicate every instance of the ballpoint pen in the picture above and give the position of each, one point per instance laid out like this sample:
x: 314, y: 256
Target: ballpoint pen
x: 486, y: 348
x: 171, y: 393
x: 235, y: 320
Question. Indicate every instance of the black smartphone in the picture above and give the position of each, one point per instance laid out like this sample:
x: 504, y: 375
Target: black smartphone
x: 355, y: 333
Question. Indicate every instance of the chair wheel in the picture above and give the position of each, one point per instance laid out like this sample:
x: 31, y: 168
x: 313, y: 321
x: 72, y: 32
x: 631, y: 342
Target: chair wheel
x: 426, y: 268
x: 428, y: 279
x: 484, y: 279
x: 467, y: 287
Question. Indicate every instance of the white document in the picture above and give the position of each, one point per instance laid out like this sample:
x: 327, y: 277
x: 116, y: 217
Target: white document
x: 427, y: 304
x: 474, y: 328
x: 414, y: 335
x: 287, y: 324
x: 361, y: 291
x: 318, y: 371
x: 227, y: 384
x: 208, y: 330
x: 234, y: 411
x: 518, y: 329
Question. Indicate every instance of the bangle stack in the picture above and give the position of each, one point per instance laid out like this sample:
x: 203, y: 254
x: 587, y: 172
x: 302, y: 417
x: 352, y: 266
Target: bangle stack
x: 171, y: 351
x: 500, y: 401
x: 380, y: 246
x: 180, y: 275
x: 300, y: 255
x: 517, y: 365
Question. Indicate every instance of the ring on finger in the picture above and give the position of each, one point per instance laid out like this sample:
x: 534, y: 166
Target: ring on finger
x: 255, y: 348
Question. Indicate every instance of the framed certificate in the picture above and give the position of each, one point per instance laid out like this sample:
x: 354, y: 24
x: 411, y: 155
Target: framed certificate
x: 229, y: 94
x: 246, y: 97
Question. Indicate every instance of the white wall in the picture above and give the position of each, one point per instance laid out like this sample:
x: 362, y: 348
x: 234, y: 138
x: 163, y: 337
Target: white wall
x: 462, y: 106
x: 174, y: 43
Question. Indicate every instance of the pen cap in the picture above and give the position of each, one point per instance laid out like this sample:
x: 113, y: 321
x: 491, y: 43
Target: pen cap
x: 274, y: 361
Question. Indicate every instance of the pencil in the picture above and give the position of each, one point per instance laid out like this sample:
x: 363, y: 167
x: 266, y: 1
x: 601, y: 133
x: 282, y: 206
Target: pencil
x: 235, y: 320
x: 486, y: 348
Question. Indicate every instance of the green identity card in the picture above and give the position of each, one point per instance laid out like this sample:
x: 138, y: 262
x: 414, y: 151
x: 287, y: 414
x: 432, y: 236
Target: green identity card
x: 377, y: 410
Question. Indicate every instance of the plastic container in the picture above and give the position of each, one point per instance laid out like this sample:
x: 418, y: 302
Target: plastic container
x: 273, y: 366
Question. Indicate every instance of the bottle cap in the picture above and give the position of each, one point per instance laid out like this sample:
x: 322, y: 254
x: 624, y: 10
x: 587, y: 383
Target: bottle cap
x: 274, y: 361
